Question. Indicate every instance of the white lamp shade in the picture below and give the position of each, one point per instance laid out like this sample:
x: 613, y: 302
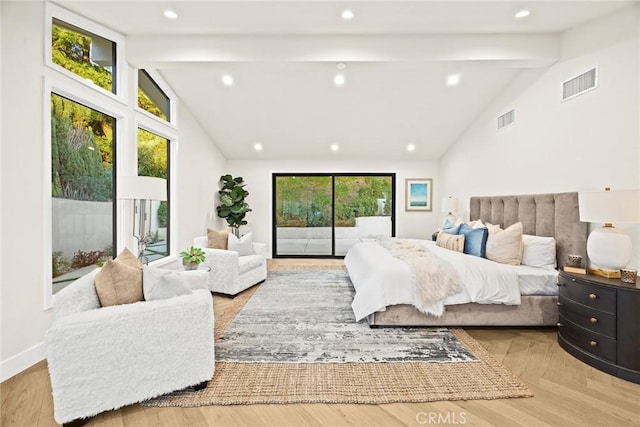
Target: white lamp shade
x: 142, y: 187
x: 620, y: 206
x: 449, y: 204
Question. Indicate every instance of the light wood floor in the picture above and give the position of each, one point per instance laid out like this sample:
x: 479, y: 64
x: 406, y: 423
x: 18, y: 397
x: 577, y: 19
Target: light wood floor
x: 566, y: 393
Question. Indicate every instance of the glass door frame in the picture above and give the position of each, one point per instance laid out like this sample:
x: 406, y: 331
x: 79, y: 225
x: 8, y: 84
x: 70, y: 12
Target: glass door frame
x: 274, y: 232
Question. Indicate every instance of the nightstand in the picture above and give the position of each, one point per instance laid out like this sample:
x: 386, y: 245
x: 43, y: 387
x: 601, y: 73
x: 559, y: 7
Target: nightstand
x: 599, y: 323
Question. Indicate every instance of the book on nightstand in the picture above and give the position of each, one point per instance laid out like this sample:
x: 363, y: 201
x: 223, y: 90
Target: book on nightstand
x: 576, y: 270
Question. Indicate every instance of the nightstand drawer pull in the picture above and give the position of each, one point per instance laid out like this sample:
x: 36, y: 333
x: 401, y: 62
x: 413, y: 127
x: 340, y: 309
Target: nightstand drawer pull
x: 573, y: 280
x: 593, y: 343
x: 559, y: 324
x: 593, y: 320
x: 559, y: 304
x: 593, y: 296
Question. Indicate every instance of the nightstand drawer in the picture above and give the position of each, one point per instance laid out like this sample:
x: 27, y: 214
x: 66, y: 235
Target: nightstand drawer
x: 596, y: 321
x: 598, y: 297
x: 596, y: 344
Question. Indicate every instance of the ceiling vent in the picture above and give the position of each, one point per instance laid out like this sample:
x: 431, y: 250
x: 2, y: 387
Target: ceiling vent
x: 506, y: 119
x: 580, y: 84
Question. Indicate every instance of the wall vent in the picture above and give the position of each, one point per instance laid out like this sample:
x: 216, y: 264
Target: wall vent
x: 506, y: 119
x: 580, y: 84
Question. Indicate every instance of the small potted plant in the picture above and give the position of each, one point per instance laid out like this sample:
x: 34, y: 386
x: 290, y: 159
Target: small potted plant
x: 192, y: 257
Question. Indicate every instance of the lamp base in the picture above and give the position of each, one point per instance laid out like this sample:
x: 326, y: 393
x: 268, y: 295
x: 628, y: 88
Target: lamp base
x: 609, y: 248
x: 604, y: 272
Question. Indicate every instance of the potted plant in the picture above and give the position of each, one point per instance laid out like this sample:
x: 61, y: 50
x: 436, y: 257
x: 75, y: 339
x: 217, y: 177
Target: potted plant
x: 192, y: 258
x: 232, y: 206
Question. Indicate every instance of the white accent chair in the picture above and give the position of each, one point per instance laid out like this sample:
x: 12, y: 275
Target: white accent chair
x: 103, y: 358
x: 231, y: 273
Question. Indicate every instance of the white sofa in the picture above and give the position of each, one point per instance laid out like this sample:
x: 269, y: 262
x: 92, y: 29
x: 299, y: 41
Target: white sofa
x: 231, y: 273
x: 103, y: 358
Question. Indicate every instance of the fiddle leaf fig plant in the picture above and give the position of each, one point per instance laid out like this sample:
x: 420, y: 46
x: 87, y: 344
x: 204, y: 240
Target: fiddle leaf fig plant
x: 233, y: 207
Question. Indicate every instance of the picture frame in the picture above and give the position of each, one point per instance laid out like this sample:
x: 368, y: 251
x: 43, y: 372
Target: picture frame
x: 418, y: 194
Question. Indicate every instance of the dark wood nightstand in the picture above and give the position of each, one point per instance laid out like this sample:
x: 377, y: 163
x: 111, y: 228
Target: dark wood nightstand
x: 599, y: 323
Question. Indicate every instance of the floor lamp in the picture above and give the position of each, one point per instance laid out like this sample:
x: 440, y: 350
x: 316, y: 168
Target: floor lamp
x: 143, y: 189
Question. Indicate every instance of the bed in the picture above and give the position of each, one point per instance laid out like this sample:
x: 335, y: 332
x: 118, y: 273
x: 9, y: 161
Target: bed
x: 383, y: 296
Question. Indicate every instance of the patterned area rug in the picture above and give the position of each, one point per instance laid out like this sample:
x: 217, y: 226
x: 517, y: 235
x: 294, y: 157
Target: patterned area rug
x: 296, y: 340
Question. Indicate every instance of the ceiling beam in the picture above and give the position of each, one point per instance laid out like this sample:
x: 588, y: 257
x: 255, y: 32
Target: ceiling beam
x: 519, y: 50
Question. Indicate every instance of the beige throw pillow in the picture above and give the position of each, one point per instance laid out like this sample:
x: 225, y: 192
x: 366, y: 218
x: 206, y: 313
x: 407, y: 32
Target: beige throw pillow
x: 453, y: 242
x: 505, y: 246
x: 120, y: 280
x: 217, y: 239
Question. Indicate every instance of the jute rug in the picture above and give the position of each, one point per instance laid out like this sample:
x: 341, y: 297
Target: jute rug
x: 281, y: 347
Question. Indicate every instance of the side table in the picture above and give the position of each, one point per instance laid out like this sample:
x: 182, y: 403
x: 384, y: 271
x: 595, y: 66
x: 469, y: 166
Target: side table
x: 599, y: 323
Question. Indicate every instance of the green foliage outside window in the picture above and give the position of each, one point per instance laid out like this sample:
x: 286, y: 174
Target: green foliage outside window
x: 71, y: 50
x: 305, y: 201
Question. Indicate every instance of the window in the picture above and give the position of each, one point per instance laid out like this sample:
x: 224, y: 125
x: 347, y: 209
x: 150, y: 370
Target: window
x: 153, y: 160
x: 82, y: 188
x: 151, y: 98
x: 85, y: 54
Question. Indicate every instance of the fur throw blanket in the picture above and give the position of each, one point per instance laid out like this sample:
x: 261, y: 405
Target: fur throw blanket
x: 434, y: 278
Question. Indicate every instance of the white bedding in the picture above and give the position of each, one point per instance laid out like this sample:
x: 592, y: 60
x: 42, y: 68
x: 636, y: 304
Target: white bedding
x: 381, y: 280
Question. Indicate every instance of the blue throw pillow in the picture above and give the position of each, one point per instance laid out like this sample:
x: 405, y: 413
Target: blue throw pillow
x: 475, y: 240
x: 450, y: 228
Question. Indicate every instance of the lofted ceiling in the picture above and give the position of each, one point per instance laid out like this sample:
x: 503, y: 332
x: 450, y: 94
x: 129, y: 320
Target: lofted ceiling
x: 283, y: 56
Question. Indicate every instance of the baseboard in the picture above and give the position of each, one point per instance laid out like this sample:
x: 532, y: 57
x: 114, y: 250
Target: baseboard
x: 21, y: 361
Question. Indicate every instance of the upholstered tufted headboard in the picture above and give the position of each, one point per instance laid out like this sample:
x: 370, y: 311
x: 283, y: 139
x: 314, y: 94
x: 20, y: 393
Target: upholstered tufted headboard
x: 550, y: 215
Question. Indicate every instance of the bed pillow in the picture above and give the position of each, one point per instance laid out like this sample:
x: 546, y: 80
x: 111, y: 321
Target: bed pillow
x: 242, y: 245
x: 475, y: 240
x: 505, y: 246
x: 451, y: 228
x: 539, y: 252
x: 493, y: 228
x: 454, y: 242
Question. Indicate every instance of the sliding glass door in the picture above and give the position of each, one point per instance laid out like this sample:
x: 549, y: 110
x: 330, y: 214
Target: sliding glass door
x: 324, y: 215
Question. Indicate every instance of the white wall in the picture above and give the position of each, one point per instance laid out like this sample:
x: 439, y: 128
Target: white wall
x: 257, y: 175
x: 23, y: 178
x: 586, y: 143
x: 201, y: 164
x: 24, y: 320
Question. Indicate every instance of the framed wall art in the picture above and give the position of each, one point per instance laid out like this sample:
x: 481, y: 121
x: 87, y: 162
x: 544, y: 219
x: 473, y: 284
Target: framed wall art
x: 418, y: 194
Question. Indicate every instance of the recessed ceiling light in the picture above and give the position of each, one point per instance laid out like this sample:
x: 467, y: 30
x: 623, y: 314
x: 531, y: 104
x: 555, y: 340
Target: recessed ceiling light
x: 335, y: 147
x: 347, y: 14
x: 257, y: 146
x: 411, y: 147
x: 227, y: 80
x: 170, y: 14
x: 453, y: 79
x: 523, y: 13
x: 339, y: 79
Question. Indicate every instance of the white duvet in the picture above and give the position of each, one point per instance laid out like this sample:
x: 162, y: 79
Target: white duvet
x: 381, y: 280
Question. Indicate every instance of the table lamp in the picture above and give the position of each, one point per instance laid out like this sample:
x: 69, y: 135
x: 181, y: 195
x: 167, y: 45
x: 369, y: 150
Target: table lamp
x: 609, y: 249
x: 450, y: 205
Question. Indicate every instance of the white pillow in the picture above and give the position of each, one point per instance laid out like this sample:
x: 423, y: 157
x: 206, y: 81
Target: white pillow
x: 539, y: 252
x: 505, y: 246
x: 243, y: 245
x: 160, y: 283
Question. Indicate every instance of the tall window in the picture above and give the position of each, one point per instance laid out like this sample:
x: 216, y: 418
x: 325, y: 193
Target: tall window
x: 85, y: 54
x: 151, y: 98
x: 82, y: 171
x: 153, y: 160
